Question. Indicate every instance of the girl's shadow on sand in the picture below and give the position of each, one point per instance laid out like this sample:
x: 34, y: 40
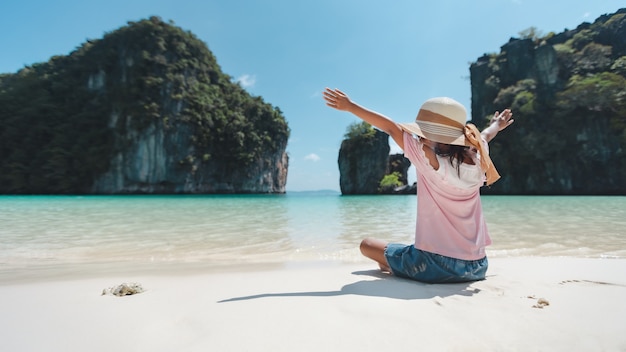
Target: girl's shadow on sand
x: 386, y: 286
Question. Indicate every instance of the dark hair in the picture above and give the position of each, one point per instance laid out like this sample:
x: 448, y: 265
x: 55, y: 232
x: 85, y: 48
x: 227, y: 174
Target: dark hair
x: 455, y: 153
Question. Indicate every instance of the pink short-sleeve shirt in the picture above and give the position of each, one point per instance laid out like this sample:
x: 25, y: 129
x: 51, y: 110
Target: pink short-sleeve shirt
x: 450, y: 219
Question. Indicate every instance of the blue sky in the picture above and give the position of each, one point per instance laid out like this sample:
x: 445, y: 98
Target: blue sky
x: 387, y: 55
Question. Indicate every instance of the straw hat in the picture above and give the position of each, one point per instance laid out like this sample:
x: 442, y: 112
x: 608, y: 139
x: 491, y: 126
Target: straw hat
x: 444, y: 120
x: 440, y: 120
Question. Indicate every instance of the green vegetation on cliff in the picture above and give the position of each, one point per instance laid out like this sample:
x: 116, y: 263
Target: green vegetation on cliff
x: 359, y: 132
x: 60, y: 121
x: 390, y: 181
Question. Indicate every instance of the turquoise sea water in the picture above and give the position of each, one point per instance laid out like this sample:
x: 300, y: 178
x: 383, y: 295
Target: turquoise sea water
x: 40, y: 233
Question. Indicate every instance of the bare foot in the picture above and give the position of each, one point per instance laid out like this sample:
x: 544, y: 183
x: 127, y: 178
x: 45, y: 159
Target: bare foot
x: 384, y: 268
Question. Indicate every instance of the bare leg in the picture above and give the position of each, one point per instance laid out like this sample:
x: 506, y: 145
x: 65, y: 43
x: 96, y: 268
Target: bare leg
x: 375, y: 249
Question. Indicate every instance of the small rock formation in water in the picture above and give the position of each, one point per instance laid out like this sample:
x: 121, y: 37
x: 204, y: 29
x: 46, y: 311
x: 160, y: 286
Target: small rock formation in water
x: 362, y: 162
x: 365, y: 166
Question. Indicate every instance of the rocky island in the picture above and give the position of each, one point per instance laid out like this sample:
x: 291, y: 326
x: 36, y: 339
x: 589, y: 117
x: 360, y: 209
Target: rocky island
x: 145, y: 109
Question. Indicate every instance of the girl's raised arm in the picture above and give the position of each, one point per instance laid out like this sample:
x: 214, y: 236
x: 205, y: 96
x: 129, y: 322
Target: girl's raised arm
x: 339, y: 100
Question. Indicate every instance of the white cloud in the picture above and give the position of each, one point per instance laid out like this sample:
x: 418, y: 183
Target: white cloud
x: 246, y: 80
x: 586, y: 15
x: 312, y: 157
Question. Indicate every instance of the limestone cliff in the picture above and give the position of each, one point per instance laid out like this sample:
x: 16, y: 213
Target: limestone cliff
x: 567, y: 93
x: 145, y: 109
x: 365, y: 166
x: 363, y: 162
x: 157, y: 161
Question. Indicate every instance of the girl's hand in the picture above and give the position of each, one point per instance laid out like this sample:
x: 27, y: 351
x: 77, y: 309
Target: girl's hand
x: 337, y: 99
x: 502, y: 120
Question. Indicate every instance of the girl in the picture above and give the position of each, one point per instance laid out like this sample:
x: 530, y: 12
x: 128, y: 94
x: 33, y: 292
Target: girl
x: 452, y: 162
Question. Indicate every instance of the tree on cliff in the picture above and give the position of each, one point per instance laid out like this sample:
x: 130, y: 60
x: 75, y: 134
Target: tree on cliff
x: 62, y: 122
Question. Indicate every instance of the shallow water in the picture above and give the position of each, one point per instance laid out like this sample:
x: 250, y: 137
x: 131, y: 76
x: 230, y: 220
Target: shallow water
x: 38, y: 232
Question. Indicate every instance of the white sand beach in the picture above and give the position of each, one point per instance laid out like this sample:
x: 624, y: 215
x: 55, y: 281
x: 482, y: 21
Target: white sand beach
x: 325, y: 306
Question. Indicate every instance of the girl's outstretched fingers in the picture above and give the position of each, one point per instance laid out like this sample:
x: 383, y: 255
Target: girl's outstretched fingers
x: 336, y: 99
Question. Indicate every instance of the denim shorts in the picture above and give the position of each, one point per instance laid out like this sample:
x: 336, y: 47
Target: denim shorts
x: 412, y: 263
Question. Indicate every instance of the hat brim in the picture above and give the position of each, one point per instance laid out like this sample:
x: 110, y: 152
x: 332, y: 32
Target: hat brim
x: 414, y: 128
